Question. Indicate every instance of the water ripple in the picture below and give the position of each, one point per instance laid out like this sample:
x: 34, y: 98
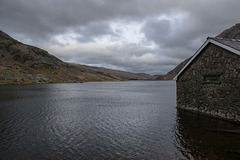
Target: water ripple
x: 121, y: 120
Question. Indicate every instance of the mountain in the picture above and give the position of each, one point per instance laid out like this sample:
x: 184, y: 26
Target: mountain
x: 121, y: 74
x: 24, y: 64
x: 231, y: 33
x: 171, y: 74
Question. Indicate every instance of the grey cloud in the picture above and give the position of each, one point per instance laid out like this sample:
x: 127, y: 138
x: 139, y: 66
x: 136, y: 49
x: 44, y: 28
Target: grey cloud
x: 157, y: 30
x: 126, y: 58
x: 39, y: 21
x: 44, y: 18
x: 89, y: 32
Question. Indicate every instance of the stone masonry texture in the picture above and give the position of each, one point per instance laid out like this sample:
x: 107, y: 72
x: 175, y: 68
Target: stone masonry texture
x: 220, y: 100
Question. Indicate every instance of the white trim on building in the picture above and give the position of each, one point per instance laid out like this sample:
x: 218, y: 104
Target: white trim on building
x: 209, y: 40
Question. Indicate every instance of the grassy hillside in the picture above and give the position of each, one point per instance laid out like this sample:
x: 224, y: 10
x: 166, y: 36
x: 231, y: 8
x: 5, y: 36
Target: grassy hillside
x: 24, y: 64
x: 121, y: 74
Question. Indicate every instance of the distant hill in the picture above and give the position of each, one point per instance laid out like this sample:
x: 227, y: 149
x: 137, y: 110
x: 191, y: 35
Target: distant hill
x: 24, y: 64
x: 171, y: 74
x: 231, y: 33
x: 121, y: 74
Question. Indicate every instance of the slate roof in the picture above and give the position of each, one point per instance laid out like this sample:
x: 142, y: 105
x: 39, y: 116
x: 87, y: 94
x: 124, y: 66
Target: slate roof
x: 232, y: 45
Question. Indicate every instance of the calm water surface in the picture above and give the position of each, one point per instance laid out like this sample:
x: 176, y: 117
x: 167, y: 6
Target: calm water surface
x: 107, y: 120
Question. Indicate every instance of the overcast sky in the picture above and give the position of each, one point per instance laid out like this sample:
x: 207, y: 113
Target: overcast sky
x: 150, y: 36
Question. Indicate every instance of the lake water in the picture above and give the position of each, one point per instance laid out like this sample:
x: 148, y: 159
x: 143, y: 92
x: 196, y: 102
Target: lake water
x: 107, y: 120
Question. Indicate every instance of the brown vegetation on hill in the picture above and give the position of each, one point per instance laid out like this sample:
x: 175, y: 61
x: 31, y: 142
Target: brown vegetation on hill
x: 25, y: 64
x: 121, y: 74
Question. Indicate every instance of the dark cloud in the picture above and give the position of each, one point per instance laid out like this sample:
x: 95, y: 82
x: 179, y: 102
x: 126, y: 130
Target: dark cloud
x: 93, y: 30
x: 44, y: 18
x: 81, y: 31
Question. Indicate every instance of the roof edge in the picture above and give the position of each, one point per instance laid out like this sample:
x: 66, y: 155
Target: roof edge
x: 193, y: 57
x: 209, y: 40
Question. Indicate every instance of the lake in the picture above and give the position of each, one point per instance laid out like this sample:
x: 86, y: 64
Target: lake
x: 107, y: 120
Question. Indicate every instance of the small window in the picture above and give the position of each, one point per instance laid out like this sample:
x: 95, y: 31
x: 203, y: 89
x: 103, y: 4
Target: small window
x: 212, y: 79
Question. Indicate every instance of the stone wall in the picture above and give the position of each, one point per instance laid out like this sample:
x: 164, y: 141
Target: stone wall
x: 216, y: 99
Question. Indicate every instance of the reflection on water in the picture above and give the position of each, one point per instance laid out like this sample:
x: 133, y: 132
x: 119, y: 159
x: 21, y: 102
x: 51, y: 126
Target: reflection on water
x: 203, y: 137
x: 108, y: 120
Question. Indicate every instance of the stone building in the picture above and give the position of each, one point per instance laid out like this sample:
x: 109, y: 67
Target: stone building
x: 210, y: 82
